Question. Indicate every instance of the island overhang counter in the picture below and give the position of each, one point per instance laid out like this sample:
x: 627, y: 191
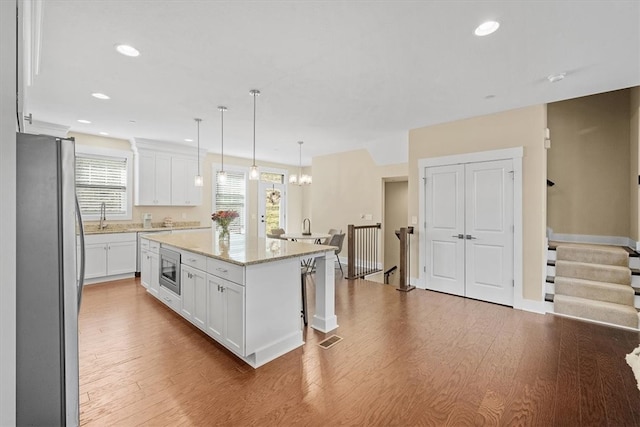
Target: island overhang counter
x: 245, y: 292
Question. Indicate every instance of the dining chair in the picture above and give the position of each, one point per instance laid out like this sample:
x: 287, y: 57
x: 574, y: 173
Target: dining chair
x: 331, y: 231
x: 276, y: 233
x: 337, y: 240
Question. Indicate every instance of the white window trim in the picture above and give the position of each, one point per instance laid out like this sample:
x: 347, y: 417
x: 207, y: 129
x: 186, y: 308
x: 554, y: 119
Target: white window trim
x: 109, y: 152
x: 214, y: 177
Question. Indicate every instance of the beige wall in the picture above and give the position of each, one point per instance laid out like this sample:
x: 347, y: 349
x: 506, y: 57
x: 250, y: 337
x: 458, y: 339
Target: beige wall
x: 345, y: 186
x: 588, y: 161
x: 395, y: 216
x: 202, y: 213
x: 634, y: 170
x: 523, y: 127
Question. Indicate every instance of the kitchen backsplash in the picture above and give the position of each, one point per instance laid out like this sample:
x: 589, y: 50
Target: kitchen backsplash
x: 93, y: 227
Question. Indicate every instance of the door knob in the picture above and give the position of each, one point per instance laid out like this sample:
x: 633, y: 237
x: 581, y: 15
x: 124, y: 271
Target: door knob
x: 459, y: 236
x: 470, y: 237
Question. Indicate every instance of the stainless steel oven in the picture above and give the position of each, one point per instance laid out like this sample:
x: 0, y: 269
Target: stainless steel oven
x: 170, y: 270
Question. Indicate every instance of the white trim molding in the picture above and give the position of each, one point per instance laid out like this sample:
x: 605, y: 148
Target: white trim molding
x: 594, y: 239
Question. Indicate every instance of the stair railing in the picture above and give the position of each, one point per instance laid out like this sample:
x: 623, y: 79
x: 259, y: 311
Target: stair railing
x: 363, y: 242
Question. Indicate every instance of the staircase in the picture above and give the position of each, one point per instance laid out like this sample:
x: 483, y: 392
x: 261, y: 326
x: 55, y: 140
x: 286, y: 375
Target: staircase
x: 594, y: 282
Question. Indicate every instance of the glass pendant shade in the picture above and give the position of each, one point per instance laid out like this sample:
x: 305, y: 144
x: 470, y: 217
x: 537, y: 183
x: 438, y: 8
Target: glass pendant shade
x: 222, y: 177
x: 253, y: 173
x: 198, y: 181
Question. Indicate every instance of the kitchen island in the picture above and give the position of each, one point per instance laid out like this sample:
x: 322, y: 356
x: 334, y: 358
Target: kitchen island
x: 245, y: 293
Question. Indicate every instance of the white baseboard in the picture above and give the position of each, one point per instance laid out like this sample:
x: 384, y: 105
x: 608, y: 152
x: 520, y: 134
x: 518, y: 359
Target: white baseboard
x: 532, y: 306
x: 596, y: 322
x: 593, y: 239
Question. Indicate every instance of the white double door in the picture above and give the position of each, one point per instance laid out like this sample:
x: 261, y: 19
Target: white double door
x: 469, y: 230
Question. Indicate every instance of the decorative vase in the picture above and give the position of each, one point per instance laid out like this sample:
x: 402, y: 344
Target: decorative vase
x: 223, y: 232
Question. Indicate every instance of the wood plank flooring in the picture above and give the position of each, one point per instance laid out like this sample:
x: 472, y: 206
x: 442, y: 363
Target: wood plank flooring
x: 417, y: 358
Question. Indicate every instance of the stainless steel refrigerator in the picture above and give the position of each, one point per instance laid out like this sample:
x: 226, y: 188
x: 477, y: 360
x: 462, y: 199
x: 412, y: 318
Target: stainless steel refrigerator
x: 49, y: 282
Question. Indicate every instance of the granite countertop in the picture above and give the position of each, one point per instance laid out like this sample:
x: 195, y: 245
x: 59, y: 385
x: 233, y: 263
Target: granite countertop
x: 134, y: 228
x: 240, y: 249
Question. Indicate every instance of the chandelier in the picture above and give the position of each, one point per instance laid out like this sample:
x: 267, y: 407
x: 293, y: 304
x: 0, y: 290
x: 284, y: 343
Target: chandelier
x: 300, y: 179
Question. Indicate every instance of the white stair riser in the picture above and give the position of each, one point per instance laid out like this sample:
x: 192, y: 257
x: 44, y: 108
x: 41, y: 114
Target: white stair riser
x: 549, y: 288
x: 548, y: 306
x: 635, y: 281
x: 551, y: 255
x: 551, y: 270
x: 636, y: 301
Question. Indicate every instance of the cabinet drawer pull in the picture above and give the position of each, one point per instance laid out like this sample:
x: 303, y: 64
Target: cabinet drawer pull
x: 192, y: 260
x: 222, y: 270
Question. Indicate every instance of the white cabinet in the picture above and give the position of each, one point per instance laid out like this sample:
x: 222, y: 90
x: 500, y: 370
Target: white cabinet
x: 225, y: 316
x: 153, y: 178
x: 110, y: 255
x: 149, y: 266
x: 183, y: 189
x: 95, y: 260
x: 194, y: 295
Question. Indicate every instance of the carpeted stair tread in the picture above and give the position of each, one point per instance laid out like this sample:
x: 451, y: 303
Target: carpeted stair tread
x: 608, y: 312
x: 590, y: 289
x: 596, y: 272
x: 593, y: 254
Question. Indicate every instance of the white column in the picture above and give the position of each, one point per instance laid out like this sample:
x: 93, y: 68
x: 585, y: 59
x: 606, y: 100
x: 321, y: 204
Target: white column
x: 324, y: 319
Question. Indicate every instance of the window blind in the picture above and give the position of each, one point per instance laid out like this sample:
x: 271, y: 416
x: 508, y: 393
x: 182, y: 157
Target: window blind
x: 101, y: 179
x: 231, y: 195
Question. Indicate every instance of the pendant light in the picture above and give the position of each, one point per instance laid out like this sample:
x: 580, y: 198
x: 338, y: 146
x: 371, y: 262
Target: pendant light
x: 222, y: 175
x: 300, y: 179
x: 198, y: 181
x: 253, y: 173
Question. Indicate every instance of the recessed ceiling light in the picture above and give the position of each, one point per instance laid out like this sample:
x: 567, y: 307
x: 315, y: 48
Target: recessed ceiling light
x: 132, y: 121
x: 489, y: 96
x: 487, y: 28
x: 556, y: 77
x: 188, y: 140
x: 104, y: 133
x: 100, y: 95
x: 86, y: 122
x: 127, y: 50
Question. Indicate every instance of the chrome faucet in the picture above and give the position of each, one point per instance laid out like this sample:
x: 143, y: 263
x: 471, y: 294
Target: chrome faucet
x: 306, y: 227
x: 103, y: 215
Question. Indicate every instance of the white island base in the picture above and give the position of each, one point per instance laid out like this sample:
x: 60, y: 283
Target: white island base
x: 251, y: 304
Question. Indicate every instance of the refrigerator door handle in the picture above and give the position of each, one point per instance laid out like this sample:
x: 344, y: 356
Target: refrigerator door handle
x: 82, y: 254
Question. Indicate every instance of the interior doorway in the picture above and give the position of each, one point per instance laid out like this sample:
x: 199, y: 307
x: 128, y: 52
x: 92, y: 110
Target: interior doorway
x: 469, y: 232
x: 395, y: 216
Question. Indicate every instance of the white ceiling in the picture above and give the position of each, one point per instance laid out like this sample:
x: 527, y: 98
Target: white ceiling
x: 339, y: 75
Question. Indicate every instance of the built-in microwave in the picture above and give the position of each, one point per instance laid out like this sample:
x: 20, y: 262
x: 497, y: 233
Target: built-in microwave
x: 170, y: 270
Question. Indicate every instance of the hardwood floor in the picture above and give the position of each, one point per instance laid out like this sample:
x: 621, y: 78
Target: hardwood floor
x: 418, y: 358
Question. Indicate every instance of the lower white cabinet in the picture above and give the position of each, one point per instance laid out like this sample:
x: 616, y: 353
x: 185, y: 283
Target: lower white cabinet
x: 225, y: 316
x: 150, y: 271
x: 109, y: 255
x: 194, y: 295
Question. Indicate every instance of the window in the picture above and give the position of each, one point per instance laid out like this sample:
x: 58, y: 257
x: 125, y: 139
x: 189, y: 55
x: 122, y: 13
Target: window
x: 231, y: 195
x: 104, y: 179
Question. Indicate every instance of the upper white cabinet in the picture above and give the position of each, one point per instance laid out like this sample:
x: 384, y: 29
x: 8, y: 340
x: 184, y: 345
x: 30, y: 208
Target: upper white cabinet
x: 154, y: 179
x: 183, y: 189
x: 164, y: 174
